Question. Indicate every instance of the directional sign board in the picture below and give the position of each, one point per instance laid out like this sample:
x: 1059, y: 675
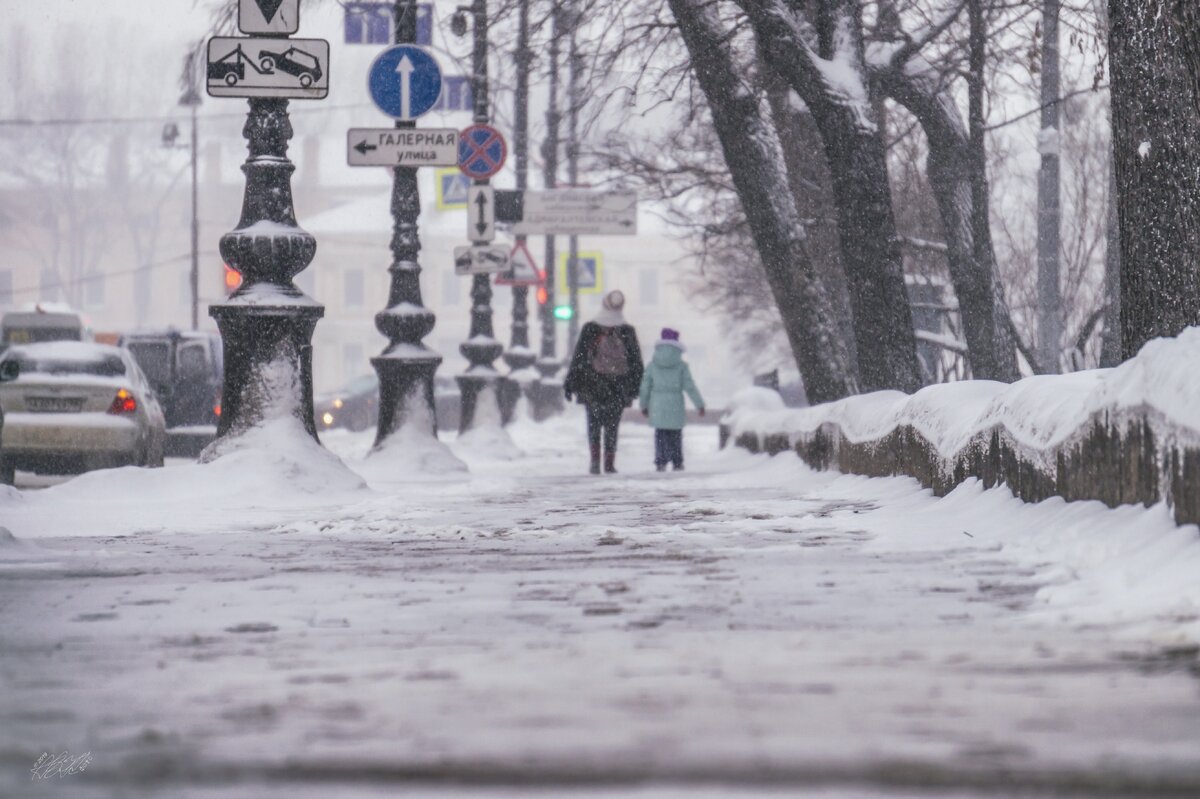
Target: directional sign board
x: 481, y: 213
x: 480, y: 260
x: 522, y: 269
x: 582, y: 212
x: 405, y: 81
x: 401, y: 146
x: 268, y: 16
x: 240, y: 67
x: 481, y: 151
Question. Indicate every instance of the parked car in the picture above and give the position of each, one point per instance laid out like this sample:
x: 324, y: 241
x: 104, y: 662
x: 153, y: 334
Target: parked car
x: 355, y: 406
x: 185, y: 369
x: 42, y: 322
x: 77, y: 406
x: 9, y: 371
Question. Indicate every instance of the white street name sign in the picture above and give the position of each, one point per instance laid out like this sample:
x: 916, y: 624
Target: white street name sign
x: 241, y: 67
x: 402, y: 147
x: 481, y: 213
x: 268, y: 16
x: 480, y: 260
x: 578, y: 211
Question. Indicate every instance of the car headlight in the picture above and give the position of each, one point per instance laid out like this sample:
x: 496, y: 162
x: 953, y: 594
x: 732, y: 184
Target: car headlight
x: 337, y: 403
x: 327, y: 418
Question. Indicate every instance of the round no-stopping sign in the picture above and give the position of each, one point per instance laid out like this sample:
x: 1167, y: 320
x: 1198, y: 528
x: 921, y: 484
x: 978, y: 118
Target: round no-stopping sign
x: 481, y: 151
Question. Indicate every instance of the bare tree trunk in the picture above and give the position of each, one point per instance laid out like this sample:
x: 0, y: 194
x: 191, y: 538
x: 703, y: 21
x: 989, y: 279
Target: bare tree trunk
x: 972, y: 268
x: 1156, y: 146
x: 1110, y: 340
x: 838, y: 101
x: 812, y: 192
x: 1049, y: 212
x: 752, y: 155
x: 1187, y: 20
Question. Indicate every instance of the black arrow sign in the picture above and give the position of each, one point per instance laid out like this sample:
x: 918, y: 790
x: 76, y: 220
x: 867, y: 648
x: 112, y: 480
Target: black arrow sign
x: 363, y: 147
x: 481, y: 201
x: 268, y: 8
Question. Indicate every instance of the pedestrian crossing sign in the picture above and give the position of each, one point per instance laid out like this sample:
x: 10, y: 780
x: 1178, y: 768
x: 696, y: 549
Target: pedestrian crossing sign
x: 452, y: 187
x: 589, y: 268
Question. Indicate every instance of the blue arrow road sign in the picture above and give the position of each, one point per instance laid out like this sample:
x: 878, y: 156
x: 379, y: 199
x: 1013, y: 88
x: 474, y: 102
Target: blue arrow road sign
x: 405, y: 81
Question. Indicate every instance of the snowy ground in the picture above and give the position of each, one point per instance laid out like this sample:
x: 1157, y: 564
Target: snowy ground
x: 745, y: 628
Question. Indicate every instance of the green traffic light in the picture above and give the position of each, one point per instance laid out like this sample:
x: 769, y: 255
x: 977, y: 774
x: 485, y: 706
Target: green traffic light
x: 563, y: 312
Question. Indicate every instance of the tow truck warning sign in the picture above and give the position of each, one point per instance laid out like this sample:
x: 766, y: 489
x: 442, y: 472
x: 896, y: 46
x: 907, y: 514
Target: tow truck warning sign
x: 402, y: 147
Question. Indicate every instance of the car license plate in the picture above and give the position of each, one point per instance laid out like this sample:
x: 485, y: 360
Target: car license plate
x: 54, y: 404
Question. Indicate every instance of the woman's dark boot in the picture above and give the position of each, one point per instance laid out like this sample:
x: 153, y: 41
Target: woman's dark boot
x: 595, y: 467
x: 610, y: 462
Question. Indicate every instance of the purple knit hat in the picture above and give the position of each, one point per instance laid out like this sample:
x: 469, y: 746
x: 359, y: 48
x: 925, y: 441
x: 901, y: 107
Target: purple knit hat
x: 670, y: 337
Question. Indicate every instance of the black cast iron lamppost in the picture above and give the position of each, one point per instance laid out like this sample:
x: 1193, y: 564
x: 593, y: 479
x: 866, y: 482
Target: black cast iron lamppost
x: 267, y: 324
x: 406, y: 366
x: 481, y: 348
x: 519, y: 356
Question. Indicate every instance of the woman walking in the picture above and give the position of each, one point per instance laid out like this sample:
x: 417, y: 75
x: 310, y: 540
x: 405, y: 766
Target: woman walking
x: 666, y: 380
x: 605, y: 372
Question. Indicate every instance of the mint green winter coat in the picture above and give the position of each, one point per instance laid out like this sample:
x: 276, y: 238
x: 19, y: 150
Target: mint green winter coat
x: 664, y: 383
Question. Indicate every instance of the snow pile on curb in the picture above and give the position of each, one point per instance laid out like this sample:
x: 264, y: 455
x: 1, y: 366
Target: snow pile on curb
x: 1038, y: 420
x: 268, y: 470
x: 1043, y: 412
x: 410, y: 451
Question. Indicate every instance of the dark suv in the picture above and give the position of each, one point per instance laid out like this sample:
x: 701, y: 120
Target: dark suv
x: 185, y: 369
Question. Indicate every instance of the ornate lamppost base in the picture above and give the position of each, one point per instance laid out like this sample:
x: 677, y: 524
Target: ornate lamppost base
x: 506, y: 392
x: 403, y: 378
x: 268, y: 364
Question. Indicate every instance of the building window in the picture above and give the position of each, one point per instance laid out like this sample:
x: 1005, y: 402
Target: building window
x: 306, y: 281
x: 451, y: 288
x: 354, y: 289
x: 648, y: 286
x: 353, y: 361
x: 6, y: 287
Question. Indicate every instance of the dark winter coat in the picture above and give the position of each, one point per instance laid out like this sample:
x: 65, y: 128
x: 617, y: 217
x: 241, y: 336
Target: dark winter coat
x: 587, y: 386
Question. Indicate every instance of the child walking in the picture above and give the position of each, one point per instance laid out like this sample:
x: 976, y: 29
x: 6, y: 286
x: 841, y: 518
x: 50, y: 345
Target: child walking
x: 665, y: 381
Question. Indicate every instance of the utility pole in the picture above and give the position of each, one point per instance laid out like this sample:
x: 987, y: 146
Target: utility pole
x: 406, y: 366
x: 191, y: 99
x: 481, y: 348
x: 574, y: 66
x: 1049, y: 214
x: 519, y: 356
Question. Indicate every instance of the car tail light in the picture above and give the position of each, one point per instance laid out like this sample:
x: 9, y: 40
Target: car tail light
x: 123, y: 403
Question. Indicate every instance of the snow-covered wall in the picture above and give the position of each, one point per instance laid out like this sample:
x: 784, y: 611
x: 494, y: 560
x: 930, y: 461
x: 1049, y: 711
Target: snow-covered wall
x: 1125, y: 435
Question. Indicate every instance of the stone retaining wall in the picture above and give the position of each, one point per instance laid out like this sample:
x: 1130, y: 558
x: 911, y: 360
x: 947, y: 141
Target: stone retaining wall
x: 1114, y: 463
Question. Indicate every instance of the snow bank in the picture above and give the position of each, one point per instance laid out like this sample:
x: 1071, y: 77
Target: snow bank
x: 266, y: 472
x: 1051, y: 424
x: 412, y: 450
x: 487, y: 438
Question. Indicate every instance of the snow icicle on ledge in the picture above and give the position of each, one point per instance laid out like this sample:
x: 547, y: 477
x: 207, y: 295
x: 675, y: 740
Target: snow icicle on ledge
x: 1127, y: 435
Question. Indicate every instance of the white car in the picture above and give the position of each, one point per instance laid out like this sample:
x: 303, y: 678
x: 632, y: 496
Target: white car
x: 77, y: 406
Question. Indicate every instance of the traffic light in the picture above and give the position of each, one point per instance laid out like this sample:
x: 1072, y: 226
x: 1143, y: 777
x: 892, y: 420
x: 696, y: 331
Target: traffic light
x: 563, y: 313
x: 233, y: 279
x: 543, y: 296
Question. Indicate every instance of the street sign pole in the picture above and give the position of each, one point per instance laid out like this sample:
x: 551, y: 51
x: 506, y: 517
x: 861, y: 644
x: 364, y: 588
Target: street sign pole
x: 406, y: 366
x: 267, y: 324
x: 481, y: 348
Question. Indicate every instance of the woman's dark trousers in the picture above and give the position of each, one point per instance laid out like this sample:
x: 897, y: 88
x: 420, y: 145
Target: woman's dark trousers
x: 603, y: 418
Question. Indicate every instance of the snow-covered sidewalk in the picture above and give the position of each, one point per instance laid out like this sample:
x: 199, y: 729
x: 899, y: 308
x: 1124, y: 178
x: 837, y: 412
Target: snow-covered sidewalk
x: 524, y: 629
